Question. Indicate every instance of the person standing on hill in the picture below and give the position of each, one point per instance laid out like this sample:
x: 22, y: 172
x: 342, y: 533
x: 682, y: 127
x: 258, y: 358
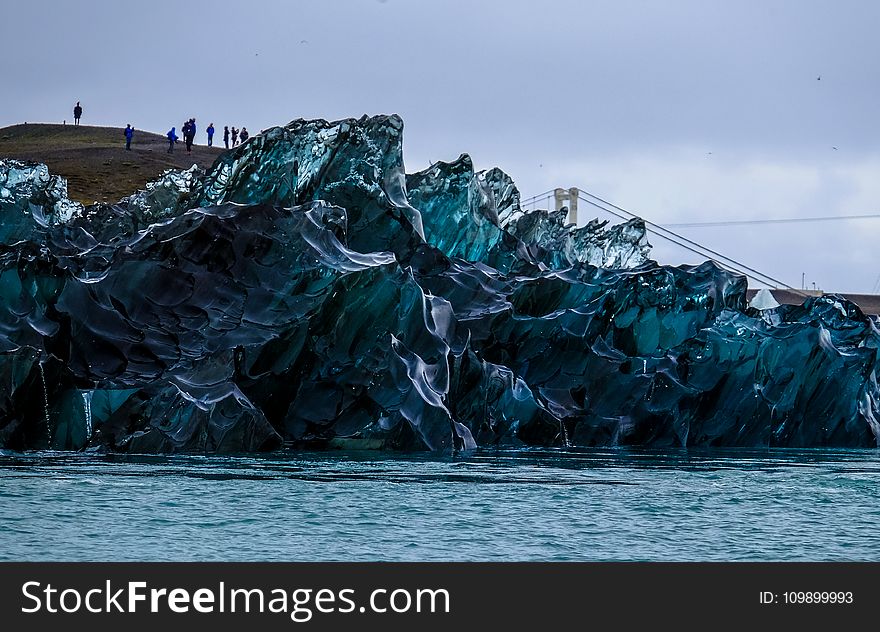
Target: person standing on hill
x: 210, y: 131
x: 189, y: 132
x: 226, y: 136
x: 234, y: 136
x: 129, y: 132
x: 172, y: 138
x: 243, y: 135
x: 77, y: 112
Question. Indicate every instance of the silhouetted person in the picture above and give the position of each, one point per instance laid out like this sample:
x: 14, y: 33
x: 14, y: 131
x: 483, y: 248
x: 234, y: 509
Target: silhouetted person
x: 243, y: 134
x: 189, y: 133
x: 234, y: 136
x: 226, y: 136
x: 129, y: 132
x: 210, y: 131
x: 172, y: 138
x: 77, y: 112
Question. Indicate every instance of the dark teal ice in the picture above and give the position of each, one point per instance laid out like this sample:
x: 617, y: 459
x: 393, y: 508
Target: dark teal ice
x: 306, y: 291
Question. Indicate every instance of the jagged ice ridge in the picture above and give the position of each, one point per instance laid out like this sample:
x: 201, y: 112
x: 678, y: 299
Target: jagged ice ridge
x: 306, y: 291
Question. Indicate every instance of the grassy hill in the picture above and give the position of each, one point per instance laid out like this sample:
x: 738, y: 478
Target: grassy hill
x: 94, y: 159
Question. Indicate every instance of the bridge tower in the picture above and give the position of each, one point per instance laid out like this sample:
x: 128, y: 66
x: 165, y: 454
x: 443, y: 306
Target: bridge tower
x: 568, y: 198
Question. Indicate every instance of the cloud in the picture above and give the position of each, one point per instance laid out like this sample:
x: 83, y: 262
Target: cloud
x: 625, y: 98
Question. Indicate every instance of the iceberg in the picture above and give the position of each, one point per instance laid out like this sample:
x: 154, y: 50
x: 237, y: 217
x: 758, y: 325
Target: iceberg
x: 306, y: 292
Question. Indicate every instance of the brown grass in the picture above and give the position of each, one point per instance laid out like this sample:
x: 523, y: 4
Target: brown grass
x: 94, y: 159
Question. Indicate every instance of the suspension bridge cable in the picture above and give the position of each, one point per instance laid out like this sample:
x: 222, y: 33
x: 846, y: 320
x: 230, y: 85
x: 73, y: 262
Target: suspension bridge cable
x: 716, y: 256
x: 698, y: 249
x: 699, y: 253
x: 545, y: 194
x: 876, y: 287
x: 677, y: 239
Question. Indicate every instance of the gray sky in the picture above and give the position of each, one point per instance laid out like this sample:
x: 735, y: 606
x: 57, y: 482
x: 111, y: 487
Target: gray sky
x: 623, y: 98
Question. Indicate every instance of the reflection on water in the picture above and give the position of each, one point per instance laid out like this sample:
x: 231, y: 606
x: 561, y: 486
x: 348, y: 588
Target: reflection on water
x: 530, y: 504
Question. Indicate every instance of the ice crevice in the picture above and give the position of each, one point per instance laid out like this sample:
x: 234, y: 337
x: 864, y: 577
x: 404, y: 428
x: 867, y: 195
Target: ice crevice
x: 306, y: 291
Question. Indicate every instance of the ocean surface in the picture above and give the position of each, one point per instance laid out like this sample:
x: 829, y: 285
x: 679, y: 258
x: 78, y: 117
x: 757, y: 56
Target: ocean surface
x: 490, y: 505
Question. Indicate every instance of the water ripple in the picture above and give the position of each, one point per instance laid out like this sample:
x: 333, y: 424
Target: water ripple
x: 489, y: 505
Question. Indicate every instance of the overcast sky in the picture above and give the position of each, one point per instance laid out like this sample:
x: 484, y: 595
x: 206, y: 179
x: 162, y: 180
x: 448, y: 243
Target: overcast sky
x: 681, y: 111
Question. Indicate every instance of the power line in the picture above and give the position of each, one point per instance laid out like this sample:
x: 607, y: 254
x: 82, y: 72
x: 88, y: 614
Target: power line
x: 787, y: 220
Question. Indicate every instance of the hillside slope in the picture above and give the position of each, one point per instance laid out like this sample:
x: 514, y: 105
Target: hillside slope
x: 94, y: 159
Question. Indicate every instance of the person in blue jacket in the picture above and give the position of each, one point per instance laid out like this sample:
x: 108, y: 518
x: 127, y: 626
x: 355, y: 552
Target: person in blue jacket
x: 129, y: 132
x: 172, y: 138
x: 210, y: 131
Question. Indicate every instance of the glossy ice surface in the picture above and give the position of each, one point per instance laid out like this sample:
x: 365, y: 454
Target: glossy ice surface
x: 307, y: 291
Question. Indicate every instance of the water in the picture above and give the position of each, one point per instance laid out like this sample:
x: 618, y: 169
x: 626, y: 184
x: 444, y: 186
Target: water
x: 491, y: 505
